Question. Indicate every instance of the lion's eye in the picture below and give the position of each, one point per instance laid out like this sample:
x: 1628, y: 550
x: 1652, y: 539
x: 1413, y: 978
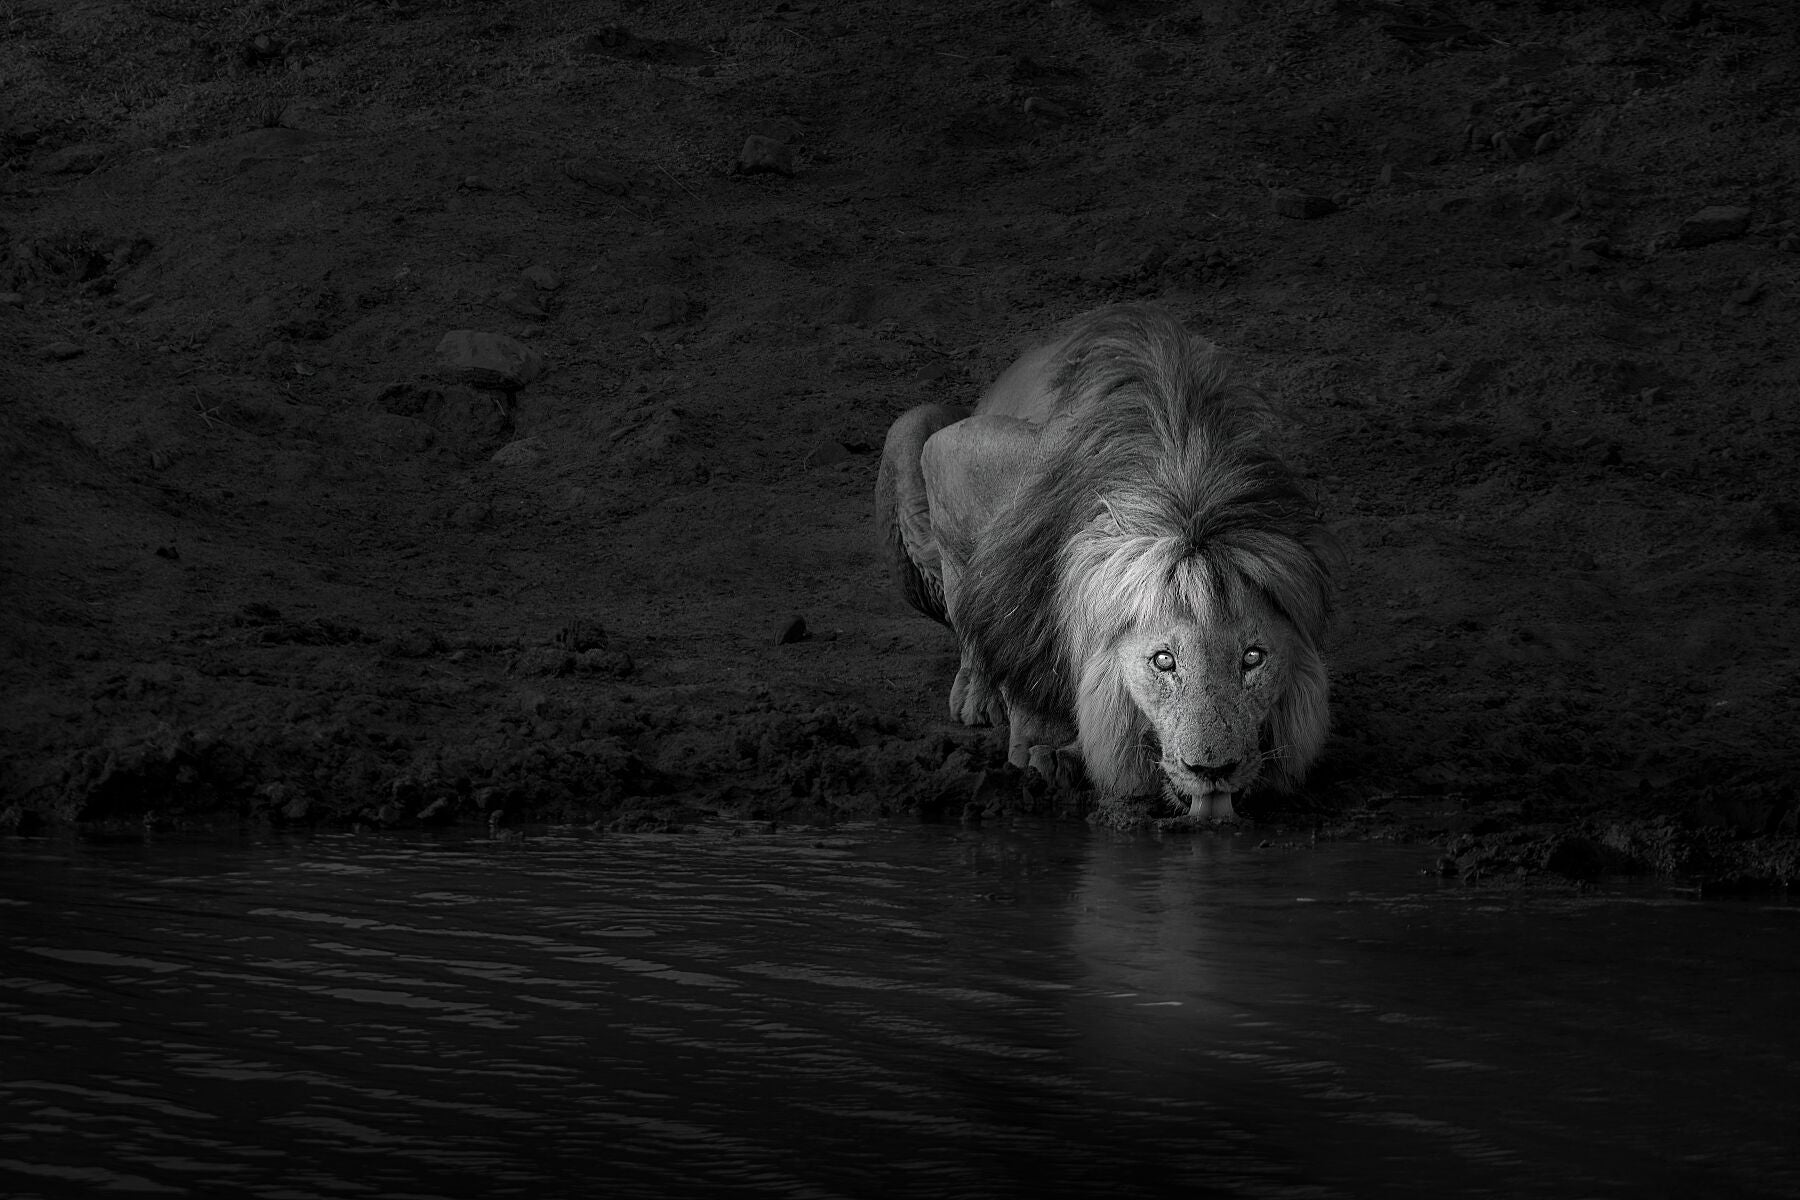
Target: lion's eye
x: 1253, y: 658
x: 1162, y: 660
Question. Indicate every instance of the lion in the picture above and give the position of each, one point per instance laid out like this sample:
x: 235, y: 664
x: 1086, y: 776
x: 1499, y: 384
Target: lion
x: 1137, y: 582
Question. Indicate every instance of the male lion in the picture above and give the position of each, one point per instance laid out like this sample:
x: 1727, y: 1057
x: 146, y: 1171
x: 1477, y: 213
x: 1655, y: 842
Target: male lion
x: 1137, y: 582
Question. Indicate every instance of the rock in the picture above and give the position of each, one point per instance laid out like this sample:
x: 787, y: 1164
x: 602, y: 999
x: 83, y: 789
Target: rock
x: 541, y: 278
x: 1740, y: 302
x: 1516, y: 145
x: 526, y: 452
x: 1585, y: 261
x: 598, y: 175
x: 793, y: 631
x: 826, y: 454
x: 12, y: 300
x: 765, y: 155
x: 519, y: 304
x: 1037, y: 106
x: 664, y: 306
x: 60, y: 351
x: 1714, y: 223
x: 610, y: 37
x: 78, y: 159
x: 1679, y: 14
x: 1292, y: 202
x: 1545, y: 144
x: 488, y: 360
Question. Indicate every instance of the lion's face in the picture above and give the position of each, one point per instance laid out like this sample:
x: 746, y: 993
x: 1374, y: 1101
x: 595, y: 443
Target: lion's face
x: 1207, y: 688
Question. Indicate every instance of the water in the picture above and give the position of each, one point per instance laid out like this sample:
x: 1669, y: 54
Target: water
x: 921, y: 1011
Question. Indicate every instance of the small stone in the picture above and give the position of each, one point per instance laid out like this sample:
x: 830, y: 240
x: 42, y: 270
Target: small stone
x: 1742, y: 301
x: 526, y: 452
x: 541, y: 278
x: 1679, y: 14
x: 1037, y: 106
x: 1545, y: 144
x: 598, y: 175
x: 664, y: 306
x: 60, y: 351
x: 765, y: 155
x: 1714, y: 223
x: 1516, y: 145
x: 519, y: 304
x: 793, y: 631
x: 78, y: 159
x: 1292, y: 202
x: 826, y: 454
x: 12, y: 300
x: 1536, y: 126
x: 488, y: 360
x: 1586, y: 261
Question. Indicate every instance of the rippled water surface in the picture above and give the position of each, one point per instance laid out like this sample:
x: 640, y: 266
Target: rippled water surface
x: 917, y: 1011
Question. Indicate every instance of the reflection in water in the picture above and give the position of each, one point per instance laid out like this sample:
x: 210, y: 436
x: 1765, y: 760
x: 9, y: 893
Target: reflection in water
x: 892, y: 1012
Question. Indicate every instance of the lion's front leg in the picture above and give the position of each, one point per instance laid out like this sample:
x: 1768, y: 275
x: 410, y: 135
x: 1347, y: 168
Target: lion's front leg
x: 1045, y: 745
x: 973, y: 700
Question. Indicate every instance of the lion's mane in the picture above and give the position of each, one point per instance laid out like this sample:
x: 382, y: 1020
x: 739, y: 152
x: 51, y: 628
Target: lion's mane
x: 1157, y: 493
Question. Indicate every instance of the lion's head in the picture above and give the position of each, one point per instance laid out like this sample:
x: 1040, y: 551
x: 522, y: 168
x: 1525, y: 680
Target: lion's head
x: 1195, y: 676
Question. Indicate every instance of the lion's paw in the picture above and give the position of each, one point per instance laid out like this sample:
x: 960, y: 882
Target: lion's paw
x: 1060, y: 766
x: 972, y: 701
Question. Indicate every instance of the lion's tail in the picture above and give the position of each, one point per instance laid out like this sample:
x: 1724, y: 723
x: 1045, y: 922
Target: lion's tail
x: 903, y: 514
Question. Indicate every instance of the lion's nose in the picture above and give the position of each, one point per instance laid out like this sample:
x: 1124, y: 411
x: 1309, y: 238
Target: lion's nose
x: 1212, y: 774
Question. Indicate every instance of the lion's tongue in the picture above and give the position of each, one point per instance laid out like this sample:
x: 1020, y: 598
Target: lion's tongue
x: 1214, y: 806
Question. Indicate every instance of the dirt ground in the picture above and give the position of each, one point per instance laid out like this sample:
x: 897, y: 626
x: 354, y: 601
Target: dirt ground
x: 1525, y: 274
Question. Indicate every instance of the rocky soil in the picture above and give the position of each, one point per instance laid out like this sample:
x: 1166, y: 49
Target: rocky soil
x: 468, y: 412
